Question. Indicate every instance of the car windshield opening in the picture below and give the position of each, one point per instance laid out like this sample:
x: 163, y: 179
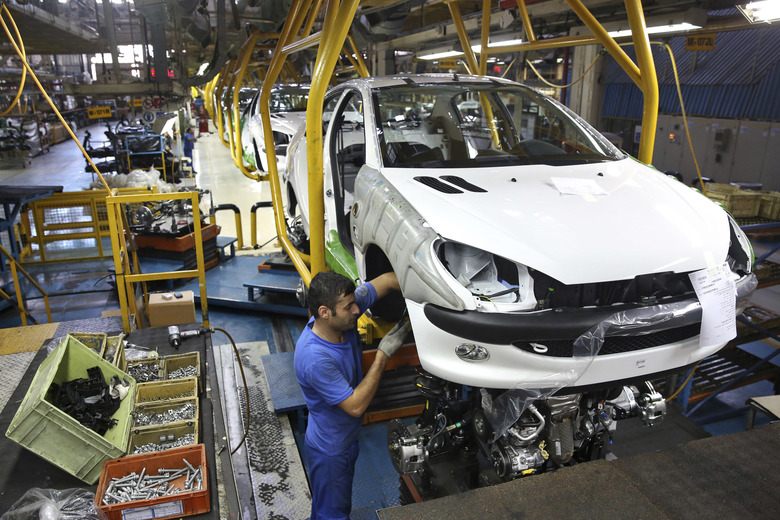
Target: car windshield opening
x: 289, y: 99
x: 472, y: 125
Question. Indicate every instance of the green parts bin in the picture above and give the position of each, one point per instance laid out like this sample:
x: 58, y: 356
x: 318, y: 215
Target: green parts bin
x: 46, y: 430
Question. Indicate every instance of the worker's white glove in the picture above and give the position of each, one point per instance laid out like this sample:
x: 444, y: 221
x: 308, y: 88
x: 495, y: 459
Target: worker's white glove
x: 395, y: 338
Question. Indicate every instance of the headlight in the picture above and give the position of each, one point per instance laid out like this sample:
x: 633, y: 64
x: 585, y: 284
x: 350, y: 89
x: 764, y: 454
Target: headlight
x: 740, y: 257
x: 485, y: 275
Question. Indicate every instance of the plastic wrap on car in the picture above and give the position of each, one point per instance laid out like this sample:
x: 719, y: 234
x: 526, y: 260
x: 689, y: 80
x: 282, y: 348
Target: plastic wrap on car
x: 504, y: 411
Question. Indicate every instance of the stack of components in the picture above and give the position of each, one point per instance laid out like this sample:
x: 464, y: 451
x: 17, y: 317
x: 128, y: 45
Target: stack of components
x: 144, y: 486
x: 165, y: 230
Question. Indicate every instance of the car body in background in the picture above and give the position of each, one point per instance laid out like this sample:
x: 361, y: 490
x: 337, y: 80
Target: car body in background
x: 288, y: 114
x: 245, y: 97
x: 541, y: 267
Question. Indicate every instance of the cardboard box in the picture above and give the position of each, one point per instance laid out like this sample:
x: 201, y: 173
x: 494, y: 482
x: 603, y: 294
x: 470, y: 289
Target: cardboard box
x: 173, y: 311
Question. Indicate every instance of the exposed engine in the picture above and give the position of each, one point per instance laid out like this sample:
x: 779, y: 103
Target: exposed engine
x: 550, y: 432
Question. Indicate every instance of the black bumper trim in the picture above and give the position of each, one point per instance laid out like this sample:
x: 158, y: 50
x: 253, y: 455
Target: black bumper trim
x: 504, y: 329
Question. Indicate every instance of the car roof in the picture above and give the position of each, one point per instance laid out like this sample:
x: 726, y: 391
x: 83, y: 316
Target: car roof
x: 407, y: 79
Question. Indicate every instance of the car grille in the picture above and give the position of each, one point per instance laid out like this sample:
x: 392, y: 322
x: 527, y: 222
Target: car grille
x: 613, y: 344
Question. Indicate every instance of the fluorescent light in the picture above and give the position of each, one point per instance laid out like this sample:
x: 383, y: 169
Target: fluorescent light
x: 692, y: 19
x: 439, y: 55
x: 659, y: 29
x: 764, y: 11
x: 491, y: 45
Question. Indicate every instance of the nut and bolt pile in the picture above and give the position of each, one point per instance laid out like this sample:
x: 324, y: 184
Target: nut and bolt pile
x: 144, y: 487
x: 181, y: 413
x: 144, y: 372
x: 185, y: 440
x: 191, y: 393
x: 179, y: 373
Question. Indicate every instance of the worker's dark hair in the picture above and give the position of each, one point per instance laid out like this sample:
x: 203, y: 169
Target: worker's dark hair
x: 326, y: 288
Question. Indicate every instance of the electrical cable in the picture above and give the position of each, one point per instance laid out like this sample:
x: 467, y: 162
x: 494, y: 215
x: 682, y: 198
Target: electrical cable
x: 509, y: 67
x: 682, y: 107
x: 684, y: 383
x: 246, y: 387
x: 570, y: 84
x: 685, y: 117
x: 46, y: 96
x: 24, y: 71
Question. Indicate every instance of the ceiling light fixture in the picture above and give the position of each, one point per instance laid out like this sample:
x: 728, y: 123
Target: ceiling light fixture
x: 492, y: 45
x: 658, y: 29
x: 765, y: 11
x: 681, y: 22
x: 440, y: 54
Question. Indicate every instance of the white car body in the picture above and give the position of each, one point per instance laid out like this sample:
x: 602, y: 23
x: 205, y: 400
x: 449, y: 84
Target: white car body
x: 532, y: 254
x: 288, y: 114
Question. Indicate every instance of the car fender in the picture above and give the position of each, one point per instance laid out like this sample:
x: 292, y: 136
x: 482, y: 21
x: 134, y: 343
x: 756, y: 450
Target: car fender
x: 381, y: 216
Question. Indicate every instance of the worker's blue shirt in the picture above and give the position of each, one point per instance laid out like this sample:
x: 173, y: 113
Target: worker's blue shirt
x: 328, y: 373
x: 189, y: 142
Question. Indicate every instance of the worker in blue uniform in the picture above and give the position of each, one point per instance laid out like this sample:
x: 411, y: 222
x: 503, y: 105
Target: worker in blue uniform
x: 328, y: 367
x: 189, y: 145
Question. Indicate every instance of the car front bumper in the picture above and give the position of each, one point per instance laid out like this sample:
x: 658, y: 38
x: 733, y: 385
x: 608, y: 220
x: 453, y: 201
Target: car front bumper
x: 511, y: 363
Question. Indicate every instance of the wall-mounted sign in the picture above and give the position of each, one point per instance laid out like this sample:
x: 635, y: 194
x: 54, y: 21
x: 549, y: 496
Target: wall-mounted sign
x: 700, y: 42
x: 98, y: 112
x: 448, y: 64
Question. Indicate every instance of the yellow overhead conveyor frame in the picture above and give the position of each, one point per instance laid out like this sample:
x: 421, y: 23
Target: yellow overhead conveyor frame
x: 236, y: 146
x: 642, y: 73
x: 296, y: 36
x: 208, y: 94
x: 222, y: 84
x: 331, y: 42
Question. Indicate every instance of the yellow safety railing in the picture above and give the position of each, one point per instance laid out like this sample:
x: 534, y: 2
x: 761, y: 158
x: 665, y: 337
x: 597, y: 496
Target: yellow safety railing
x: 16, y: 268
x: 127, y: 267
x: 76, y: 215
x: 126, y: 263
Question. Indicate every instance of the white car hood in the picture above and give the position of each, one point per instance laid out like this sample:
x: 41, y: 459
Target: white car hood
x: 645, y: 223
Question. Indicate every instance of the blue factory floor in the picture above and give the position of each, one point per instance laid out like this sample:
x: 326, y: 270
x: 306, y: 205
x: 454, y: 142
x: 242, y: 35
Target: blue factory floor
x: 84, y: 289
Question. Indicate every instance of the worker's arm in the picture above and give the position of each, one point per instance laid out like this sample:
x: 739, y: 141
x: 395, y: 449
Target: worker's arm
x: 357, y: 403
x: 384, y: 283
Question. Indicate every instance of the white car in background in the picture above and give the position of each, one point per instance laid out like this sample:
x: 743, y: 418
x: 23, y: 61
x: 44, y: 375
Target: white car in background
x: 288, y: 114
x: 541, y: 267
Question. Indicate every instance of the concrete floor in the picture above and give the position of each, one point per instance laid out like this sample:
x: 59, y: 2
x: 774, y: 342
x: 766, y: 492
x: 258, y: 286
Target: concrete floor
x: 377, y: 486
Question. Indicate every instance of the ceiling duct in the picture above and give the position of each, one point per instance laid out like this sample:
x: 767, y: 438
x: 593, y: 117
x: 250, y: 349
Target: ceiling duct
x: 196, y: 21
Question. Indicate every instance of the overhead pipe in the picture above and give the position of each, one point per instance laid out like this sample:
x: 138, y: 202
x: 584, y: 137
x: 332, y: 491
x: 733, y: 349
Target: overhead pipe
x: 219, y: 56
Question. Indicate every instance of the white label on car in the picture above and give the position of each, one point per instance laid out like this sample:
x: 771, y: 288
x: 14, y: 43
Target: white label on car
x: 584, y: 187
x: 718, y: 297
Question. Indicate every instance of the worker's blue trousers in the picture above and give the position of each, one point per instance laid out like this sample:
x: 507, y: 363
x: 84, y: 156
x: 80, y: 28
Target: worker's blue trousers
x: 330, y: 477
